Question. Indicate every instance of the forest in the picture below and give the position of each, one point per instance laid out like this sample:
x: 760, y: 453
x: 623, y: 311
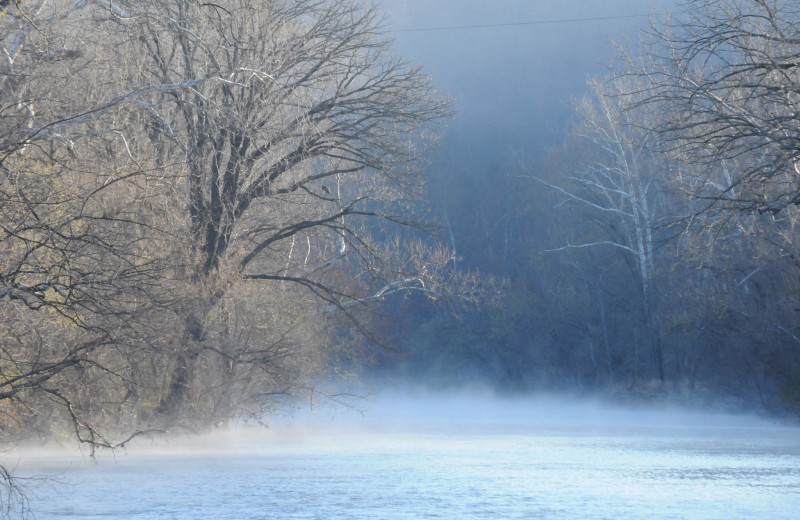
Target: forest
x: 648, y: 252
x: 212, y: 211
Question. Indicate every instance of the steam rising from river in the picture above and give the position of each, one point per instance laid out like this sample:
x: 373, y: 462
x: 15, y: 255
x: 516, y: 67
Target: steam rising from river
x: 421, y: 413
x: 466, y: 456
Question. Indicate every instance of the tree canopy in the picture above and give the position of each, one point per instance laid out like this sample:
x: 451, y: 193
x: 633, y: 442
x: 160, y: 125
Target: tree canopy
x: 192, y: 195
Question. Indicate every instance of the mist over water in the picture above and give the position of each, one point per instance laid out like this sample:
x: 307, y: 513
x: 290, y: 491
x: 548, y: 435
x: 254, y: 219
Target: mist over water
x: 423, y: 412
x: 443, y: 456
x: 478, y: 412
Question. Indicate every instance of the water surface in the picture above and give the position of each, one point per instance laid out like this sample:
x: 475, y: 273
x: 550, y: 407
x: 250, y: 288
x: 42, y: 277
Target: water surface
x: 485, y: 469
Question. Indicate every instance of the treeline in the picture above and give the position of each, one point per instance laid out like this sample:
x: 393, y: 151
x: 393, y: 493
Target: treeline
x: 655, y: 252
x: 199, y: 204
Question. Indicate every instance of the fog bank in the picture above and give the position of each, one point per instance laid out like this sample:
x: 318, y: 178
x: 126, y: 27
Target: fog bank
x: 415, y: 413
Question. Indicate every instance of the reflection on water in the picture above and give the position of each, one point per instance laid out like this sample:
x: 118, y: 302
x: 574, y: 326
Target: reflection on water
x: 467, y: 470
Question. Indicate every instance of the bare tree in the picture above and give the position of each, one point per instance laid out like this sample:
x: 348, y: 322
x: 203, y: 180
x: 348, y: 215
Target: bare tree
x: 726, y: 73
x: 724, y: 77
x: 214, y: 166
x: 619, y: 184
x: 83, y: 266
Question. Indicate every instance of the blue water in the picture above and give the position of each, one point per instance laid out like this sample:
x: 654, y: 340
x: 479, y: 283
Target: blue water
x: 470, y: 471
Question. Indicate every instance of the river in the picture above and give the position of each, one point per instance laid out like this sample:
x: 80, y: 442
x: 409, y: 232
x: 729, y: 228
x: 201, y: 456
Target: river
x: 631, y: 467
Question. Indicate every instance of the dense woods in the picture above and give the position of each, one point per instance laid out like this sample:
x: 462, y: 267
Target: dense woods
x: 652, y: 254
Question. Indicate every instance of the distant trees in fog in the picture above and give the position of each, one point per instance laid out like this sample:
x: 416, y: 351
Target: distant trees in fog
x: 655, y: 251
x: 690, y: 163
x: 615, y: 183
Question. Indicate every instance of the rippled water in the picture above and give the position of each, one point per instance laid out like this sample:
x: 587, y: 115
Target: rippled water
x: 485, y: 471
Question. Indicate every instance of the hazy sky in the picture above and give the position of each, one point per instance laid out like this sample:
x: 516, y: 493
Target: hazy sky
x: 515, y: 81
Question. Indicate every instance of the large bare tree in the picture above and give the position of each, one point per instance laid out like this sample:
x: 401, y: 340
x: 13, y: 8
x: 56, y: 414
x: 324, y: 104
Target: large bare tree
x: 197, y: 189
x: 289, y: 163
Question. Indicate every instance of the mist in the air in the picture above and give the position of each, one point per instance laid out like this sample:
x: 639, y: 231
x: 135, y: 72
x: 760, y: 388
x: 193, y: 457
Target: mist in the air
x: 513, y: 85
